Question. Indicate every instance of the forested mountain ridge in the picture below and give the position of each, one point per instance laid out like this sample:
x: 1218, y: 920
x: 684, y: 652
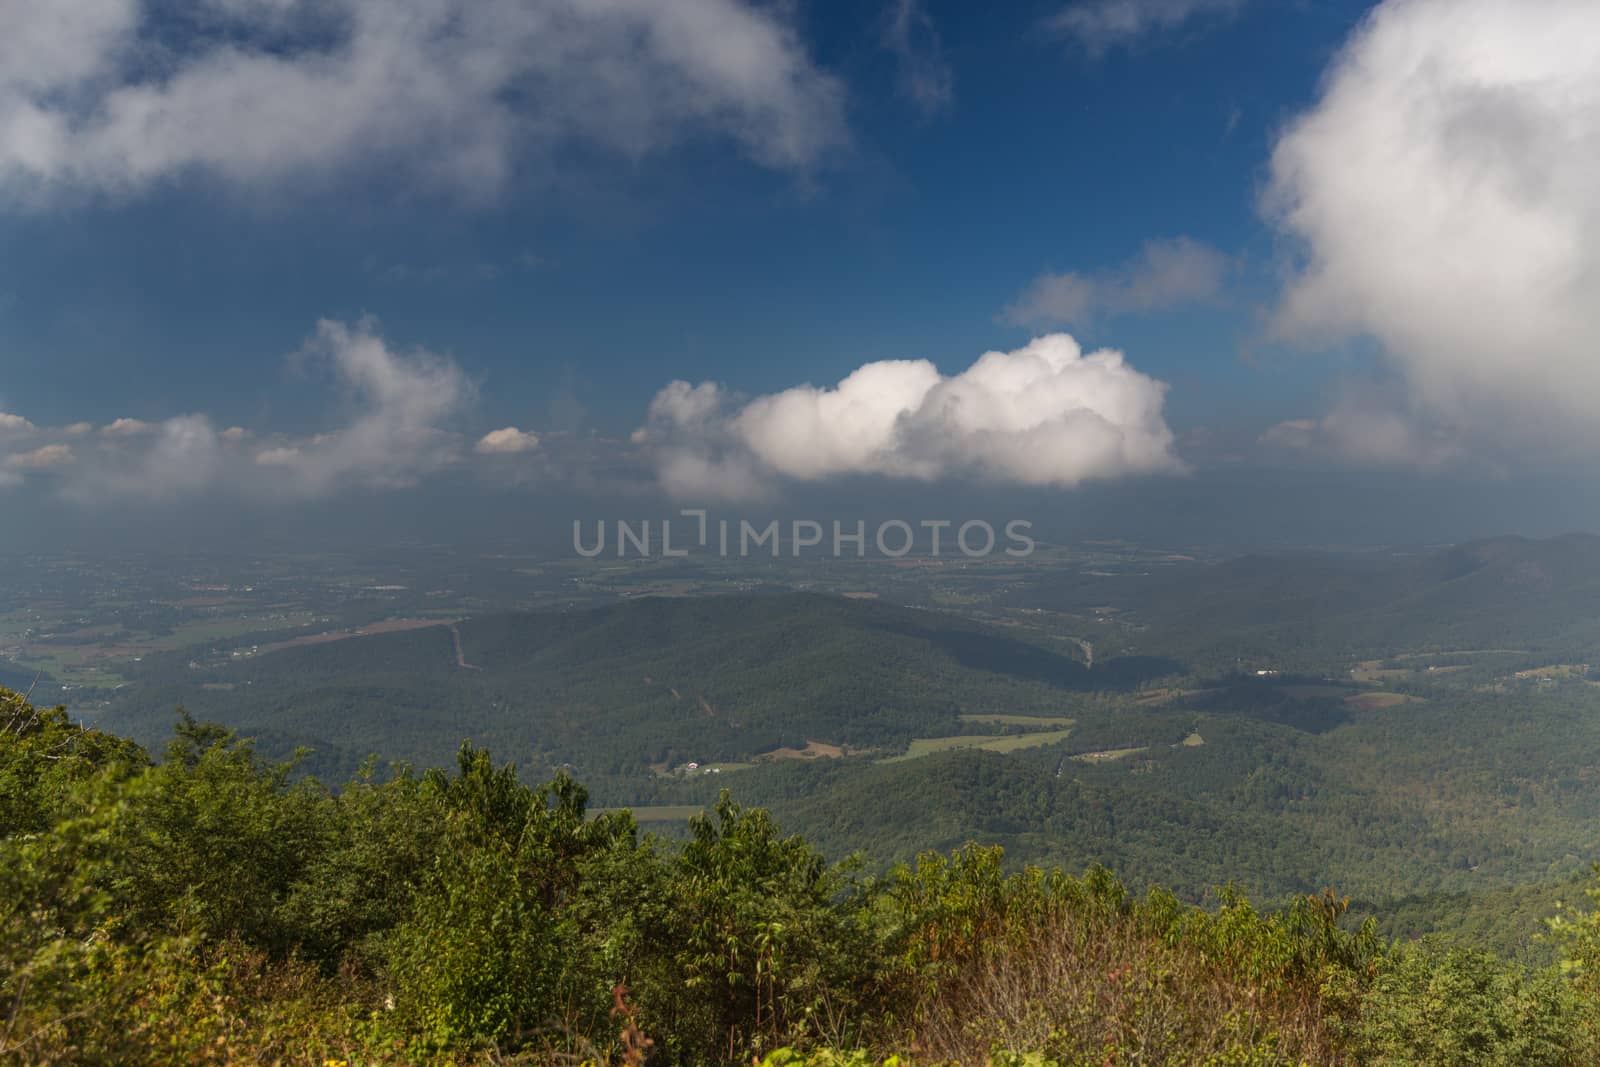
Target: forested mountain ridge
x: 659, y: 680
x: 1507, y: 592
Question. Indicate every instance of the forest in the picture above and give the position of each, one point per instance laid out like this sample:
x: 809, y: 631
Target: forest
x: 209, y: 905
x: 1422, y: 736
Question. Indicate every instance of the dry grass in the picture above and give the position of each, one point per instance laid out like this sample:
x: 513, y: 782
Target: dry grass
x: 813, y: 750
x: 1091, y: 993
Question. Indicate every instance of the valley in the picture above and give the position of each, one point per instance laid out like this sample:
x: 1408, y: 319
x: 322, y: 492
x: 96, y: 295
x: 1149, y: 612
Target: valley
x: 1283, y: 723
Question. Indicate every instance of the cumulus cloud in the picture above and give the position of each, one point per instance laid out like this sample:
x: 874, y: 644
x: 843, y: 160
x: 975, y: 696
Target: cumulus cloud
x: 115, y: 96
x: 1442, y: 194
x: 507, y: 441
x: 278, y: 456
x: 1100, y: 25
x: 924, y: 76
x: 41, y: 458
x: 395, y: 407
x: 399, y: 405
x: 14, y: 424
x: 1368, y: 435
x: 157, y: 461
x: 1165, y: 274
x: 1047, y: 414
x: 127, y: 428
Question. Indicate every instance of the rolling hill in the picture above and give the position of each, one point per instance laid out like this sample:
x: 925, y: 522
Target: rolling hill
x: 656, y: 681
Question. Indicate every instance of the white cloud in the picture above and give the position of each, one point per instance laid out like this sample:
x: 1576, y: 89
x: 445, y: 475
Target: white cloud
x: 278, y: 456
x: 127, y: 428
x: 1368, y: 435
x: 1443, y: 193
x: 41, y: 458
x: 400, y: 401
x: 155, y: 461
x: 78, y: 429
x: 1166, y: 274
x: 924, y: 76
x: 14, y: 424
x: 112, y: 97
x: 1046, y: 414
x: 1099, y: 25
x: 397, y: 407
x: 507, y: 441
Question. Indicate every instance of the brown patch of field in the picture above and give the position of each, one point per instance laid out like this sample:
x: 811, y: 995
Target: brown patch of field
x: 387, y: 626
x: 813, y: 750
x: 1378, y: 701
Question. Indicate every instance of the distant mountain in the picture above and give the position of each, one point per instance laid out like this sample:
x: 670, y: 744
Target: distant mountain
x: 1504, y: 592
x: 655, y: 681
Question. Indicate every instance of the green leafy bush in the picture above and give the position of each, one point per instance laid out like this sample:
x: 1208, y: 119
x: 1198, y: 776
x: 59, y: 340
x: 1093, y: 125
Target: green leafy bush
x: 213, y: 908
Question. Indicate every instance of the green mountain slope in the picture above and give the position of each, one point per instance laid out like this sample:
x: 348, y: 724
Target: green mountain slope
x: 656, y: 681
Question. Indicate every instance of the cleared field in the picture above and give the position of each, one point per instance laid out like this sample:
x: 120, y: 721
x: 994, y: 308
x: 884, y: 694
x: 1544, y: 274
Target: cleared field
x: 927, y: 746
x: 1555, y: 670
x: 1017, y: 742
x: 70, y: 669
x: 1373, y: 670
x: 1378, y: 701
x: 1018, y: 720
x: 387, y: 626
x: 1109, y: 754
x: 813, y: 750
x: 201, y: 631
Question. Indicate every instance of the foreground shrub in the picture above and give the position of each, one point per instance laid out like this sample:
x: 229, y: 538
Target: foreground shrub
x: 1434, y: 1005
x: 213, y: 909
x: 1077, y: 971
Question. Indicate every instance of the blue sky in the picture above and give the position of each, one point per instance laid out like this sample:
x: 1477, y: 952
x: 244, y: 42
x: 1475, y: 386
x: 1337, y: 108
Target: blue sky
x: 568, y: 240
x: 696, y: 262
